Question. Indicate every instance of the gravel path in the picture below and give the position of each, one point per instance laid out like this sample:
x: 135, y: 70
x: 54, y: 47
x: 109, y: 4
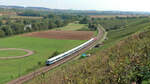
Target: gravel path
x: 29, y: 52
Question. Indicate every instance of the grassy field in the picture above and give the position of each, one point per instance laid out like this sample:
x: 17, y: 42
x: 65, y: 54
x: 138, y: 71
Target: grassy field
x: 119, y: 34
x: 8, y: 53
x: 114, y: 36
x: 43, y: 48
x: 73, y: 27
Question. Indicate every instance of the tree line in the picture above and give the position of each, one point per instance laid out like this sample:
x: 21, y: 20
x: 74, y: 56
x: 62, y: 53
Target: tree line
x: 10, y: 26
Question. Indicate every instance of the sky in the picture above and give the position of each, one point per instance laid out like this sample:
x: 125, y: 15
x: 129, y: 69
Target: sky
x: 122, y: 5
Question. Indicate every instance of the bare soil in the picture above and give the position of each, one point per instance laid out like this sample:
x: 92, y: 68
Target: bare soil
x: 70, y: 35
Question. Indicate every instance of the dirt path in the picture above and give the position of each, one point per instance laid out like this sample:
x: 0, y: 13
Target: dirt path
x: 44, y: 69
x: 29, y: 52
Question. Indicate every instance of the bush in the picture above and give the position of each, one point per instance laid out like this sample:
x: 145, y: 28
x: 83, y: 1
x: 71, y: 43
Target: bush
x: 54, y: 54
x: 2, y: 33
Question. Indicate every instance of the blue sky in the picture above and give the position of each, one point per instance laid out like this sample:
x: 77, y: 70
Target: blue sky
x: 124, y: 5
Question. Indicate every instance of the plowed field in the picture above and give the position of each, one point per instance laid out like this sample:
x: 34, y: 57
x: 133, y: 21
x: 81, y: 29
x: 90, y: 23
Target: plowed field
x: 71, y: 35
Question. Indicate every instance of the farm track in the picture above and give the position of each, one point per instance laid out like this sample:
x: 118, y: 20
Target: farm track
x: 44, y: 69
x: 29, y: 52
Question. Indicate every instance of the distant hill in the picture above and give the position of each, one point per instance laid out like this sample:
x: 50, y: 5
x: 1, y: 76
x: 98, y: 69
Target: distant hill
x: 83, y: 12
x: 38, y: 8
x: 10, y: 7
x: 21, y: 7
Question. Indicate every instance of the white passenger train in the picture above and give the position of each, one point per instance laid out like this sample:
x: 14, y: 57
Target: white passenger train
x: 70, y: 52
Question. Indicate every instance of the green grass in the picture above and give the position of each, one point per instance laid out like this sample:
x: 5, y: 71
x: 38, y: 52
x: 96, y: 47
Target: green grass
x: 96, y: 33
x: 114, y: 36
x: 43, y: 48
x: 73, y: 27
x: 8, y: 53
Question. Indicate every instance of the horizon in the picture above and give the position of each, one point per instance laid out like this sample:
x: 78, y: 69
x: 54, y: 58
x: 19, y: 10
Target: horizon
x: 77, y: 9
x: 97, y: 5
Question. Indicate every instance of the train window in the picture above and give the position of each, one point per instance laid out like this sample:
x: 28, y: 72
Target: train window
x: 49, y: 62
x: 64, y: 55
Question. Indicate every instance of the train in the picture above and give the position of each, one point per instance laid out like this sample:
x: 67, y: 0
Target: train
x: 70, y: 52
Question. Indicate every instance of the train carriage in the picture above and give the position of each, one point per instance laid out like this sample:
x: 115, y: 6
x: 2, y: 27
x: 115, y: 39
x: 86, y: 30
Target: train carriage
x: 70, y: 52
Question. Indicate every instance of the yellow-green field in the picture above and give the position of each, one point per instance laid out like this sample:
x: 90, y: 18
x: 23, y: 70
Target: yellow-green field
x: 8, y: 53
x: 73, y: 27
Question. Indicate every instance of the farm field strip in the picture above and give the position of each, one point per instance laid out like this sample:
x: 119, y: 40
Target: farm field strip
x: 72, y: 27
x: 70, y: 35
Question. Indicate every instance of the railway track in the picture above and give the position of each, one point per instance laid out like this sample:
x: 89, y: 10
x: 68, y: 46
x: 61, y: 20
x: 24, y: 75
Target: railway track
x: 44, y: 69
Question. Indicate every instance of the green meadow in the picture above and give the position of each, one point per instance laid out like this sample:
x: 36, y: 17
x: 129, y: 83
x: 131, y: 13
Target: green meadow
x: 73, y: 27
x: 10, y: 53
x: 43, y: 49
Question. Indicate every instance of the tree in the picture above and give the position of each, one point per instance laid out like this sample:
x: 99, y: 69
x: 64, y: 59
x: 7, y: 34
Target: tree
x: 85, y: 21
x: 17, y: 28
x: 26, y: 22
x: 59, y: 23
x: 54, y: 54
x: 1, y: 23
x: 65, y: 23
x: 52, y: 25
x: 7, y: 29
x: 28, y: 29
x: 2, y: 33
x: 35, y: 27
x: 92, y: 26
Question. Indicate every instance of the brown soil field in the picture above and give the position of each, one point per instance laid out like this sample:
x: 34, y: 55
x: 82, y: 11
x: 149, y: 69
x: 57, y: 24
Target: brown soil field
x: 8, y: 13
x: 70, y: 35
